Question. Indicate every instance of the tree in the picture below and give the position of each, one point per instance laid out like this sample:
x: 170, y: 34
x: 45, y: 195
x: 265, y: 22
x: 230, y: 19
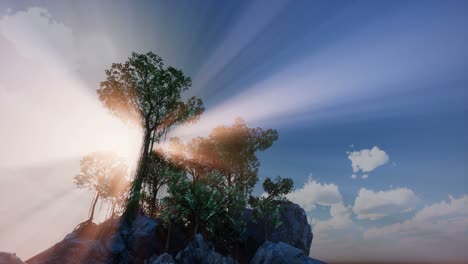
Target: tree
x: 160, y: 170
x: 228, y: 150
x: 142, y: 91
x: 266, y: 209
x: 104, y: 173
x: 116, y: 193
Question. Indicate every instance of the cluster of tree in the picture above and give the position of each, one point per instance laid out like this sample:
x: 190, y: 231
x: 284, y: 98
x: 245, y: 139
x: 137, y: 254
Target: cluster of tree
x: 105, y: 174
x: 220, y: 172
x: 207, y: 181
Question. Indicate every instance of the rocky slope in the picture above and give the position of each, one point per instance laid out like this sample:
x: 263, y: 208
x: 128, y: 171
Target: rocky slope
x: 143, y: 242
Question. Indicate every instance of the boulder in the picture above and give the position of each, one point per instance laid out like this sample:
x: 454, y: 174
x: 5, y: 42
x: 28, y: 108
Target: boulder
x: 281, y: 253
x: 199, y: 251
x: 9, y: 258
x: 141, y: 237
x: 295, y: 229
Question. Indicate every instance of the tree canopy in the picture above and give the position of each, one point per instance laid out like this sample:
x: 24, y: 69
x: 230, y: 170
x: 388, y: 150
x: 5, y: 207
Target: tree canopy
x: 228, y: 150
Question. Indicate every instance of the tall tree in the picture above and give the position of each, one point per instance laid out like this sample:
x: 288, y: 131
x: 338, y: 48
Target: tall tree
x: 103, y: 173
x: 142, y: 91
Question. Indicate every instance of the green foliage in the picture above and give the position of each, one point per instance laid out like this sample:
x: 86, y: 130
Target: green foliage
x: 266, y: 209
x: 229, y: 151
x: 266, y: 212
x: 278, y: 188
x: 141, y: 90
x: 160, y: 170
x: 198, y: 203
x: 144, y: 92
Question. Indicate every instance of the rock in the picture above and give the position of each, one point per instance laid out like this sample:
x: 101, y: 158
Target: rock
x: 9, y: 258
x: 199, y: 251
x: 142, y: 241
x: 115, y: 244
x: 281, y: 253
x: 72, y: 251
x: 295, y: 229
x: 162, y: 259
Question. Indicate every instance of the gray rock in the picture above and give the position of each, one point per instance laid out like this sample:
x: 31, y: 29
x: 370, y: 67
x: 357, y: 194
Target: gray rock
x: 199, y: 251
x: 281, y: 253
x: 162, y: 259
x: 295, y: 230
x: 9, y: 258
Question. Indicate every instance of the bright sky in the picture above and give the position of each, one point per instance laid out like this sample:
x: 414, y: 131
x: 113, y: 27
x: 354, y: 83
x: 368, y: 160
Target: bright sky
x: 369, y: 99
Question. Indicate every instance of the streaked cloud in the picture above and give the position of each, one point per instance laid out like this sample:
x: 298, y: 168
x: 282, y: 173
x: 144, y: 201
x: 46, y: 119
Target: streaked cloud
x: 445, y: 218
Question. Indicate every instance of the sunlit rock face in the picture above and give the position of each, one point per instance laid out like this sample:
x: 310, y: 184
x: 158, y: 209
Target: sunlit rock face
x: 9, y: 258
x: 295, y: 229
x: 113, y: 241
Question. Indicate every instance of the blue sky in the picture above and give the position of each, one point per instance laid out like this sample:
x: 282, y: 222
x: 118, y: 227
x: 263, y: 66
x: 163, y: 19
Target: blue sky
x: 385, y: 80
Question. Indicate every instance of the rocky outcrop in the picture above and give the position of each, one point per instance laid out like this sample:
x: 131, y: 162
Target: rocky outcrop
x: 113, y: 241
x: 9, y: 258
x: 200, y: 251
x: 281, y: 253
x: 143, y: 242
x: 295, y: 230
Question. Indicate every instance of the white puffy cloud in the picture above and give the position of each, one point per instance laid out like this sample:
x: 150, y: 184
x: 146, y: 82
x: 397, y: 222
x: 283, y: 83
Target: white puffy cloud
x: 367, y: 160
x: 365, y: 176
x: 354, y: 176
x: 313, y: 193
x: 378, y: 204
x: 340, y: 218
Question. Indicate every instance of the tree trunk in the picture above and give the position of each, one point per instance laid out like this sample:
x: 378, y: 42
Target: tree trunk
x: 135, y: 194
x: 195, y: 229
x: 96, y: 198
x: 168, y: 239
x: 153, y: 202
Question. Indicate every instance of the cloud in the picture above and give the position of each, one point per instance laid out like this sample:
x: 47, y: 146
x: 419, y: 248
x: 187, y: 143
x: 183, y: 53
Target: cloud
x: 37, y: 36
x: 365, y: 176
x: 313, y: 193
x: 442, y: 226
x: 354, y: 176
x: 340, y: 218
x: 443, y: 218
x: 367, y: 160
x: 375, y: 205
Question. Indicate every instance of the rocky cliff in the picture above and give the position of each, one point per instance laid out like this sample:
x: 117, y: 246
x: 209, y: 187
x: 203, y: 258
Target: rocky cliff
x: 114, y: 241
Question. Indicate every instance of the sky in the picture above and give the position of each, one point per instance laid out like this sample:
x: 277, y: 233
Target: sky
x: 369, y: 99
